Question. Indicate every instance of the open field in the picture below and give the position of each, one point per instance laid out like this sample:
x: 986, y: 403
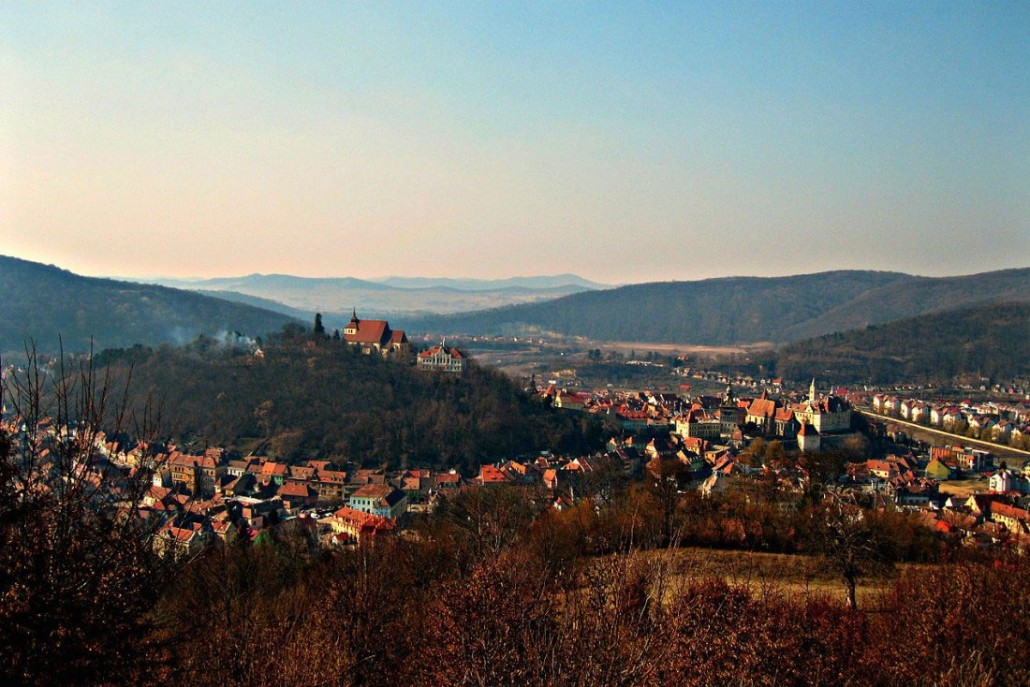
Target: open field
x: 643, y: 347
x: 964, y: 486
x: 790, y: 574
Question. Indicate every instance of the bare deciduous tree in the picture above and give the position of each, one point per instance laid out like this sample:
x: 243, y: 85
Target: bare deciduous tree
x: 77, y: 568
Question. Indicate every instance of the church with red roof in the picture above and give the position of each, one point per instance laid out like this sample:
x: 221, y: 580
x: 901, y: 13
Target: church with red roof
x: 376, y: 336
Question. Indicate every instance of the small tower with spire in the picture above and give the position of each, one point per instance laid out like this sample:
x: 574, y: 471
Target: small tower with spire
x: 352, y: 326
x: 811, y: 393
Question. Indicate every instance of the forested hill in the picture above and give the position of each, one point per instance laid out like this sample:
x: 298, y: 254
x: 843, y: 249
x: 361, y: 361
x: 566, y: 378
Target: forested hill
x: 739, y: 310
x: 987, y: 340
x: 329, y: 401
x: 709, y: 312
x: 916, y: 297
x: 41, y: 302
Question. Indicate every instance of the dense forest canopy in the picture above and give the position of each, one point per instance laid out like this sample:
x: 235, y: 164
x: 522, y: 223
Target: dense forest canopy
x: 303, y: 399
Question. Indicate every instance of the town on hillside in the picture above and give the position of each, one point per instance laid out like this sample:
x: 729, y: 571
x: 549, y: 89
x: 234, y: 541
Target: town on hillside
x: 712, y: 446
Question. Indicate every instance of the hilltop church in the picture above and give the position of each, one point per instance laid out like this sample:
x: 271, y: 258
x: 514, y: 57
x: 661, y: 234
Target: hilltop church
x: 376, y: 336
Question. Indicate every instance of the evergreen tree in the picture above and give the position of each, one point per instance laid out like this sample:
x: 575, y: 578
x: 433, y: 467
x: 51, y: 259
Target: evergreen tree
x: 319, y: 327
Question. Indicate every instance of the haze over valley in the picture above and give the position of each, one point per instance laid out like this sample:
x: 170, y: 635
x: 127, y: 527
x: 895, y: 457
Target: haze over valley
x: 41, y: 303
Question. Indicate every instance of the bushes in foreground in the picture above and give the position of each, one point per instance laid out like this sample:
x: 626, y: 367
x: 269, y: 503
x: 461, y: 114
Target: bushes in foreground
x: 425, y: 613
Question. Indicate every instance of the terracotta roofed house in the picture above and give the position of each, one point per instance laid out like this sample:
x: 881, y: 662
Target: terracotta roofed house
x: 296, y: 495
x: 383, y: 500
x: 198, y: 474
x: 447, y: 481
x: 359, y: 525
x: 1015, y: 520
x: 808, y: 438
x: 489, y: 474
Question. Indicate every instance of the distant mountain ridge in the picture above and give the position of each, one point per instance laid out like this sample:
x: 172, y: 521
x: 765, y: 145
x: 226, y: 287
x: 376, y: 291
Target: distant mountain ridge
x: 541, y: 282
x: 41, y: 302
x: 390, y: 296
x: 739, y: 310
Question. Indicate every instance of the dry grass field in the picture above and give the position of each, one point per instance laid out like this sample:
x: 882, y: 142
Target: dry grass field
x: 964, y: 486
x: 643, y: 347
x: 776, y: 573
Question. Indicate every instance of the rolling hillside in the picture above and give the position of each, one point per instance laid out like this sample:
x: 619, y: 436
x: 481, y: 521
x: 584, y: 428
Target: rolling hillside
x: 41, y: 302
x: 739, y: 310
x: 918, y: 296
x: 985, y: 340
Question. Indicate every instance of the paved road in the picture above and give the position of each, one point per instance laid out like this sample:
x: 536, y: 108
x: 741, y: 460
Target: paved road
x: 996, y: 449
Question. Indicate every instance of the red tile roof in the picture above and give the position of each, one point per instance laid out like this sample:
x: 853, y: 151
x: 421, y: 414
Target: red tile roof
x: 448, y: 479
x: 185, y: 460
x: 363, y: 521
x: 430, y: 352
x: 369, y: 332
x: 488, y: 474
x: 1008, y: 511
x: 180, y: 534
x: 332, y: 477
x: 762, y: 407
x: 294, y: 490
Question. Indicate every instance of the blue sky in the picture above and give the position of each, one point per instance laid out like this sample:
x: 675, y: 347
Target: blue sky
x: 622, y: 141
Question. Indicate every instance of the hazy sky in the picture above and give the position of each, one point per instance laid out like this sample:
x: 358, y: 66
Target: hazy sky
x: 623, y: 141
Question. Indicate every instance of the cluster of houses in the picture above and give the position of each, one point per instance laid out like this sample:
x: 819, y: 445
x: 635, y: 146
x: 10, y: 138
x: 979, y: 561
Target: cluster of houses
x: 195, y: 499
x: 900, y: 478
x: 804, y: 419
x: 253, y: 495
x: 1003, y: 423
x: 998, y: 515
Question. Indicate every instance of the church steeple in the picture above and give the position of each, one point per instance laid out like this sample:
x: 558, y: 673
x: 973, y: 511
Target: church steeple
x: 352, y: 326
x: 811, y: 392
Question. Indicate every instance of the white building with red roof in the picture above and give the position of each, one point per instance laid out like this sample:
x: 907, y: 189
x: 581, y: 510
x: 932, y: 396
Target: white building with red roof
x: 444, y: 359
